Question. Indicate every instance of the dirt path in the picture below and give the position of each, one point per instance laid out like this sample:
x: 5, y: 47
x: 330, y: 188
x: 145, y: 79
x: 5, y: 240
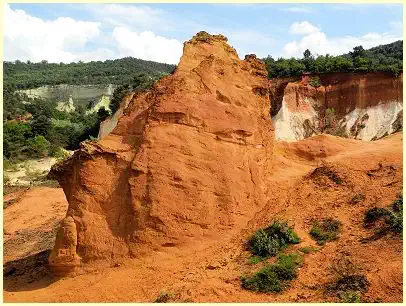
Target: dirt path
x: 209, y: 270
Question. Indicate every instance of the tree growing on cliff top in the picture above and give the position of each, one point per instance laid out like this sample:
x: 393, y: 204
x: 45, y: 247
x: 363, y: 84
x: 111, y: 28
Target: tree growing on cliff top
x: 382, y: 58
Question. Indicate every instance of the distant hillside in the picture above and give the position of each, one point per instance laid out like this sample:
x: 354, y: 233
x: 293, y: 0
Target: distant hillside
x: 393, y: 50
x: 120, y: 71
x: 386, y: 58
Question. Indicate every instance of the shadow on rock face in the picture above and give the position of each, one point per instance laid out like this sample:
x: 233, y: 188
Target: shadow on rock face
x: 29, y: 273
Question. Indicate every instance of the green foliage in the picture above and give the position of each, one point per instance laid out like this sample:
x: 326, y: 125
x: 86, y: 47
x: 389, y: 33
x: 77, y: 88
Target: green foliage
x: 265, y: 280
x: 358, y: 51
x: 102, y: 114
x: 274, y: 278
x: 381, y: 58
x: 60, y: 154
x: 308, y: 250
x: 41, y: 125
x: 315, y: 81
x: 38, y: 146
x: 120, y: 71
x: 348, y: 282
x: 118, y: 95
x: 253, y: 260
x: 351, y: 296
x: 392, y: 217
x: 15, y: 135
x: 396, y: 216
x: 269, y: 241
x: 164, y: 297
x: 34, y: 127
x: 326, y: 230
x: 358, y: 198
x: 375, y: 214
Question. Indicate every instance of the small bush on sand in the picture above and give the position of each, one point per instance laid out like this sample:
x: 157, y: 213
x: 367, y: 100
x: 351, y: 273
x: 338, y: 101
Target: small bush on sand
x: 396, y: 216
x: 164, y: 297
x: 348, y: 282
x: 308, y: 250
x: 326, y: 230
x: 374, y: 214
x: 358, y: 198
x: 351, y: 296
x: 276, y: 277
x: 60, y: 154
x: 393, y: 218
x: 269, y: 241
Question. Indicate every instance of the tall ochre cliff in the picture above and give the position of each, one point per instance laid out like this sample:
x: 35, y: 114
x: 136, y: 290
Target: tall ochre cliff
x: 365, y: 106
x: 187, y: 159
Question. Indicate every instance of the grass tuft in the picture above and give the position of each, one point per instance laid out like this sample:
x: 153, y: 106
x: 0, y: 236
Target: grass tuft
x: 326, y: 230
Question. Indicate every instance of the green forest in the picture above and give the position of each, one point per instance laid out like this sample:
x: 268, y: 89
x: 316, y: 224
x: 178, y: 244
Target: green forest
x: 387, y: 58
x: 34, y: 128
x: 119, y: 71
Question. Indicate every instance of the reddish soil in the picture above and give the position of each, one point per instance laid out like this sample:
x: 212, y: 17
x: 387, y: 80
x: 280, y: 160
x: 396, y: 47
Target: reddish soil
x: 209, y: 267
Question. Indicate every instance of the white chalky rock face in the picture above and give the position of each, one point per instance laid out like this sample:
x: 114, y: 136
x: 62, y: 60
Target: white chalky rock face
x: 289, y: 126
x: 380, y: 120
x: 366, y: 107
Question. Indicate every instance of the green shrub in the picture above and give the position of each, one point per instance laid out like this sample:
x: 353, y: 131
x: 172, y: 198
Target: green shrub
x: 253, y: 260
x: 375, y: 214
x: 396, y: 216
x: 163, y: 297
x: 38, y: 146
x: 308, y: 250
x: 315, y: 81
x: 274, y: 278
x: 358, y: 198
x: 286, y: 269
x: 351, y: 296
x: 324, y: 231
x: 269, y: 241
x: 392, y: 220
x: 8, y: 165
x: 347, y: 276
x: 266, y: 280
x: 59, y: 153
x: 398, y: 204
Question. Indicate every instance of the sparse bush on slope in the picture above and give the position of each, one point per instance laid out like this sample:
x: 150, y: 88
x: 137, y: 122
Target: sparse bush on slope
x: 326, y: 230
x: 269, y: 241
x: 276, y: 277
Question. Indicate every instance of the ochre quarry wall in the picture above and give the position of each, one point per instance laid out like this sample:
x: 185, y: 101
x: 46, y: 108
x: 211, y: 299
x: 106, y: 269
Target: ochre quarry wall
x: 187, y: 159
x: 365, y: 106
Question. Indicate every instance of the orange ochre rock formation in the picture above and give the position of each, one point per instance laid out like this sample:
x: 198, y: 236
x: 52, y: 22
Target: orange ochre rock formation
x: 187, y: 159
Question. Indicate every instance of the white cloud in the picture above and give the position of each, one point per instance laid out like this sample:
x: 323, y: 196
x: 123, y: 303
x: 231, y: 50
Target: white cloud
x: 140, y: 17
x: 147, y: 45
x: 299, y: 9
x: 317, y: 41
x: 303, y: 27
x: 65, y: 39
x: 31, y: 38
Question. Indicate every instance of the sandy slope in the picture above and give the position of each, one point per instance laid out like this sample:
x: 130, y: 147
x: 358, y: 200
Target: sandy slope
x: 208, y: 269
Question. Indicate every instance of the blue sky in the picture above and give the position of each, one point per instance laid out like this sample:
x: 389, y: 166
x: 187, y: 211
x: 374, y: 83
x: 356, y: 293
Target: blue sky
x: 73, y: 32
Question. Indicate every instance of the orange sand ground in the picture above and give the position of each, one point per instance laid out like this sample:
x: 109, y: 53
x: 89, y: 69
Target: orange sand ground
x: 209, y: 269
